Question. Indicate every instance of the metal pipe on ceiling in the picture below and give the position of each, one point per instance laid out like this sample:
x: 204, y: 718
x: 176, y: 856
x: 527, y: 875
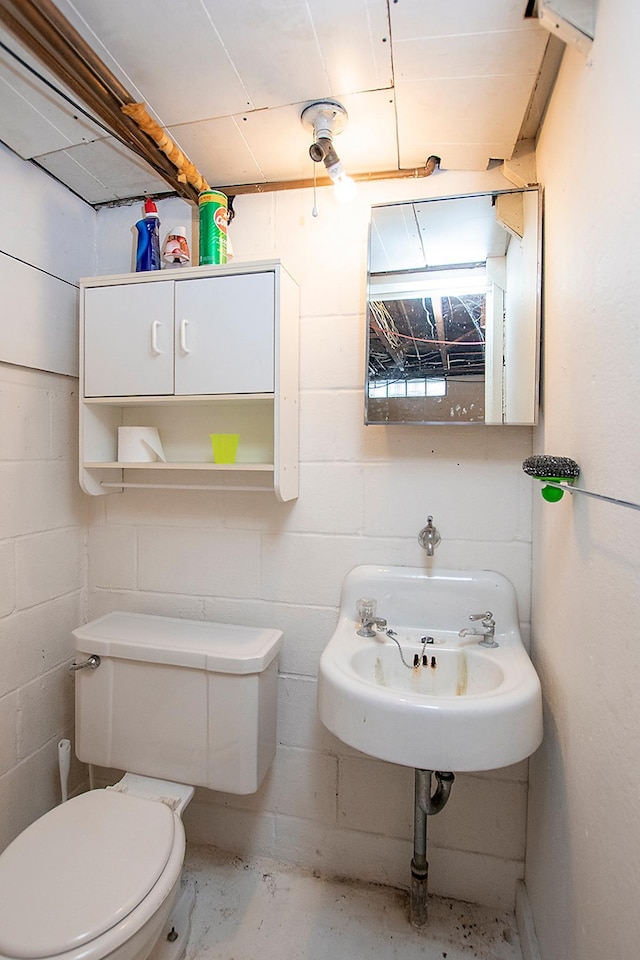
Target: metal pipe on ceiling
x: 187, y: 171
x: 414, y: 173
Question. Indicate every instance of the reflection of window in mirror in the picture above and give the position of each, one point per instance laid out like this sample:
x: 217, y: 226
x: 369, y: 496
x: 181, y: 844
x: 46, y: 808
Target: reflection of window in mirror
x: 452, y: 297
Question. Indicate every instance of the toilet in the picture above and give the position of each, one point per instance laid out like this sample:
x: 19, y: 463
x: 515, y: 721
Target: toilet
x: 177, y: 704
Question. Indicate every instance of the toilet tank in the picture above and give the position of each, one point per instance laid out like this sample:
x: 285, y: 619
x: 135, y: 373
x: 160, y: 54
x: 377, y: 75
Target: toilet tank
x: 183, y: 700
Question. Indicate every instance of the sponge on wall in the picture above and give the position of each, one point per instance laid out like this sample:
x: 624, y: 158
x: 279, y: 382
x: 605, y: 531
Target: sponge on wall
x: 560, y: 468
x: 556, y: 469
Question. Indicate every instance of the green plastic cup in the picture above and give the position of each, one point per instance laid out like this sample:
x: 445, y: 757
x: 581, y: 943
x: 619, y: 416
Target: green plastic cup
x: 225, y: 447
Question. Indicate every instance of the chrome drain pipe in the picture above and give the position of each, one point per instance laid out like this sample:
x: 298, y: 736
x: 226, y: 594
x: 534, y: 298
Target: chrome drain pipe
x: 424, y: 805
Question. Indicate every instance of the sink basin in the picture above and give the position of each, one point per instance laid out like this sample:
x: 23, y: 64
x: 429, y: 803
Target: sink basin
x: 449, y: 673
x: 463, y: 706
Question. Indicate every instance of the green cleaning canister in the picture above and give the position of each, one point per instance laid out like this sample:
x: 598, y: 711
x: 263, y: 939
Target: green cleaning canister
x: 213, y: 227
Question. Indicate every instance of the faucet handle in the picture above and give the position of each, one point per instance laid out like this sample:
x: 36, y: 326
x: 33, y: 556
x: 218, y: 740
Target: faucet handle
x: 489, y: 625
x: 486, y: 617
x: 366, y: 609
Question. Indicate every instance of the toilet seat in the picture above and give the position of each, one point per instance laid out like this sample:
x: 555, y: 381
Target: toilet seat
x: 100, y: 861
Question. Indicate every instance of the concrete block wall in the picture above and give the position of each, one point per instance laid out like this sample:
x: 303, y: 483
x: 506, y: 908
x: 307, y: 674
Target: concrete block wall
x: 50, y: 234
x: 42, y: 566
x: 364, y: 494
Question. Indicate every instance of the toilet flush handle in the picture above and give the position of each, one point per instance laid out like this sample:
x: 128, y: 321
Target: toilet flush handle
x: 91, y: 662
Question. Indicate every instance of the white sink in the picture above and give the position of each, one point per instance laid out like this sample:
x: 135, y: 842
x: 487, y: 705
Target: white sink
x: 455, y: 673
x: 464, y: 706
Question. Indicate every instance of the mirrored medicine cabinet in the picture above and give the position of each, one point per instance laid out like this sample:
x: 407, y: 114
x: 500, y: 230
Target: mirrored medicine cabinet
x: 453, y: 310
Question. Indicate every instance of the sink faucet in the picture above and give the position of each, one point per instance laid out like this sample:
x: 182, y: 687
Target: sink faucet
x: 367, y: 626
x: 487, y: 632
x: 367, y: 614
x: 429, y: 538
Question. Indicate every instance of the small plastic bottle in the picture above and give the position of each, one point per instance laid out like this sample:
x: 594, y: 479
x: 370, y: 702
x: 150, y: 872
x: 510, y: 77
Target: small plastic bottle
x: 176, y: 247
x: 148, y: 249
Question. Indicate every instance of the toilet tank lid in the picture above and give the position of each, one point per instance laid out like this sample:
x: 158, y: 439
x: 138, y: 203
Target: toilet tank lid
x: 215, y: 647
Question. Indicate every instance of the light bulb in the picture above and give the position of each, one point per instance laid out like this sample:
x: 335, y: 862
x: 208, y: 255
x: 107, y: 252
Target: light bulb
x: 345, y: 187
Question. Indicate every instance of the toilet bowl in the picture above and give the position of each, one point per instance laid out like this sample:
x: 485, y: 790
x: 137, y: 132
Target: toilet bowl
x: 182, y: 703
x: 113, y: 858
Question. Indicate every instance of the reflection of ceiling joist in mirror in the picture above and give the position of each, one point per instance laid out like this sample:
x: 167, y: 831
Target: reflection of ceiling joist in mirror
x: 429, y: 347
x: 454, y: 310
x: 415, y: 338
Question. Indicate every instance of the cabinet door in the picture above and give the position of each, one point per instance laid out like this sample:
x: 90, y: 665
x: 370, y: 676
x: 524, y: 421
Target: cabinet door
x: 225, y: 334
x: 128, y: 340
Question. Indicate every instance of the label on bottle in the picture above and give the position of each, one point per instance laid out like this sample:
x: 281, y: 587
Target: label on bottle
x: 148, y: 249
x: 213, y: 227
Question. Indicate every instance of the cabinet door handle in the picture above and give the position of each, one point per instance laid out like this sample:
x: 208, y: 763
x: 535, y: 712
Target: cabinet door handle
x: 154, y: 338
x: 183, y: 336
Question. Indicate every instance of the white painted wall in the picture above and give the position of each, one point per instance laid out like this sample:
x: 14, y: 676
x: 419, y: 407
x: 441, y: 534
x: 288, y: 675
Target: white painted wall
x: 365, y: 492
x: 583, y: 849
x: 42, y: 512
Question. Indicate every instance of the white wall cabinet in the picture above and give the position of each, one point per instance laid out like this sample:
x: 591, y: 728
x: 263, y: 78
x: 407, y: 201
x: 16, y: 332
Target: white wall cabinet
x: 208, y: 335
x: 191, y: 352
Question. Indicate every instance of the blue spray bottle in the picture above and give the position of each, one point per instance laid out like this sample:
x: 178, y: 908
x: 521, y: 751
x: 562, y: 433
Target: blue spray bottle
x: 148, y: 249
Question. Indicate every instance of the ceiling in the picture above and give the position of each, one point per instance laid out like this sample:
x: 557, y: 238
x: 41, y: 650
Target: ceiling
x: 228, y: 80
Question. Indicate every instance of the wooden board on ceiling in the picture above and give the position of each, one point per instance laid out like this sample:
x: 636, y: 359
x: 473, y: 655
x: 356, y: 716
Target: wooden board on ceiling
x: 102, y: 171
x: 225, y: 58
x: 471, y: 116
x: 506, y: 54
x: 176, y: 63
x: 433, y: 18
x: 33, y: 118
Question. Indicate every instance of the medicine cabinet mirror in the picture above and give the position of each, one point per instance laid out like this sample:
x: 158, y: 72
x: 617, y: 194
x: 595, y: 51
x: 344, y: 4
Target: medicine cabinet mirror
x: 453, y: 310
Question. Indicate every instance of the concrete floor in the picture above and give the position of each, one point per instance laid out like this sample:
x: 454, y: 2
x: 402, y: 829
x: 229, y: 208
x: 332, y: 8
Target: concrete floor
x: 264, y: 910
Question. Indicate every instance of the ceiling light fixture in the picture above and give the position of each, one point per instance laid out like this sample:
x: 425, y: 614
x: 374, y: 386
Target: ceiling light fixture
x: 325, y: 119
